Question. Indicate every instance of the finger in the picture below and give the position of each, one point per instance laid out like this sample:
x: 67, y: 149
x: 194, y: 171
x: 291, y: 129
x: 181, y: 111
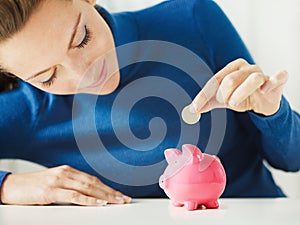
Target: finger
x: 231, y: 67
x: 230, y: 83
x: 205, y: 95
x: 247, y: 88
x: 97, y: 191
x: 92, y: 186
x: 74, y: 197
x: 211, y: 87
x: 212, y: 104
x: 278, y: 80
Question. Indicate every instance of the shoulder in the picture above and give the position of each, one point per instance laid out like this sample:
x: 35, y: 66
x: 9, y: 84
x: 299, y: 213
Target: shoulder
x: 189, y: 23
x: 177, y: 16
x: 183, y: 5
x: 181, y: 8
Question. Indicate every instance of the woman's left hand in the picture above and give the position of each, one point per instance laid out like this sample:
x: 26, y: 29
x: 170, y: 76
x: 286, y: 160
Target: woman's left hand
x: 240, y: 86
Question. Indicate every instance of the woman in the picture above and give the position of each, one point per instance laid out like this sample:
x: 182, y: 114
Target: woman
x: 137, y: 70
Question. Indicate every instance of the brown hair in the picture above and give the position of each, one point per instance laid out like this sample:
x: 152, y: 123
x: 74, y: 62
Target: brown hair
x: 13, y: 16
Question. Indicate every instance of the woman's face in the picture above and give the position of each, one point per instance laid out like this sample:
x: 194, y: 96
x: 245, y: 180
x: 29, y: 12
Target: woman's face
x: 64, y: 48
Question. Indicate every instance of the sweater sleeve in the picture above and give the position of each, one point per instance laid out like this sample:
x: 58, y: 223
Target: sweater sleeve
x: 280, y: 137
x: 3, y: 175
x: 18, y: 113
x: 279, y: 133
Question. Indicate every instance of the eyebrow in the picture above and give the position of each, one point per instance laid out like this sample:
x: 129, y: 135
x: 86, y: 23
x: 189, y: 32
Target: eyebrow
x: 69, y: 47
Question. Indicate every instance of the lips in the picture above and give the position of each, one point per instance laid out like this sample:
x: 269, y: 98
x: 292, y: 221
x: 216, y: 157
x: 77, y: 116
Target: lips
x: 101, y: 76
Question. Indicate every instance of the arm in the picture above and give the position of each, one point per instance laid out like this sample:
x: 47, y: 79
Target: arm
x: 280, y: 137
x: 277, y: 123
x: 58, y: 184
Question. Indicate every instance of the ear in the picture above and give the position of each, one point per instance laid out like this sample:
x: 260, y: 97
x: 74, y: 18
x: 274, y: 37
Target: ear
x: 92, y: 2
x: 171, y: 153
x: 193, y: 150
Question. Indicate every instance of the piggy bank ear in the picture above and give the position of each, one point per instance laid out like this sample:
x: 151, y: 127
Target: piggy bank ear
x: 171, y: 154
x: 192, y: 150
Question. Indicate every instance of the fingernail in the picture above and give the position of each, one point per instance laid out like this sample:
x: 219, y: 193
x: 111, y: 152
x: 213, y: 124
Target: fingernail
x: 119, y: 199
x: 101, y: 202
x: 192, y: 108
x: 126, y: 198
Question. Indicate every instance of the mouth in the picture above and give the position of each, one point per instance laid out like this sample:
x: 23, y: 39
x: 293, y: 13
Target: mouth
x: 101, y: 76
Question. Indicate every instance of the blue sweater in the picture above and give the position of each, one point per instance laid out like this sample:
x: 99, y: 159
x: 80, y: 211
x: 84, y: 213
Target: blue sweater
x: 166, y: 54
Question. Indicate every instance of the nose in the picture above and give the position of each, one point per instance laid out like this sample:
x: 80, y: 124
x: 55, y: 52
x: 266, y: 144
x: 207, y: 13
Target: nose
x: 78, y: 64
x: 79, y: 72
x: 77, y: 68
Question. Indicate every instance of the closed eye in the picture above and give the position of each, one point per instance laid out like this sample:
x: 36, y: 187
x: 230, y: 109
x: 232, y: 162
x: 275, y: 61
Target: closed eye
x: 84, y: 42
x: 86, y: 39
x: 50, y: 81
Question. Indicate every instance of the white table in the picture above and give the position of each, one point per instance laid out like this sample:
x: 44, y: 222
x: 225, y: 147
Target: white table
x: 158, y: 212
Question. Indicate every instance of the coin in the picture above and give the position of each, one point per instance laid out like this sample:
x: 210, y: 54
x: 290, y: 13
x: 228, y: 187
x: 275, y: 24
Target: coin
x: 188, y: 117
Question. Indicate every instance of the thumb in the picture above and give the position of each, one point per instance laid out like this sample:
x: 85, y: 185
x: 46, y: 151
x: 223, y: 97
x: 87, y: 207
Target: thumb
x: 275, y: 82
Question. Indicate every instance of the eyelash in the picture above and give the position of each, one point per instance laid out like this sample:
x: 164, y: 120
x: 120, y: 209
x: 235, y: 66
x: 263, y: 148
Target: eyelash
x: 49, y: 82
x: 84, y: 42
x: 86, y: 38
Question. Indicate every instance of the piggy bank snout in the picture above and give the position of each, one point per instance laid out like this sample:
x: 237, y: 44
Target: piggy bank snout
x: 163, y: 183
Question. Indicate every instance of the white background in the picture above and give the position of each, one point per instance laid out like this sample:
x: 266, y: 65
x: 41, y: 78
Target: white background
x: 271, y: 31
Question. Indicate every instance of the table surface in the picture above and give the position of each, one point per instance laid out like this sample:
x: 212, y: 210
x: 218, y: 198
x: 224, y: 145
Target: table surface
x: 278, y: 211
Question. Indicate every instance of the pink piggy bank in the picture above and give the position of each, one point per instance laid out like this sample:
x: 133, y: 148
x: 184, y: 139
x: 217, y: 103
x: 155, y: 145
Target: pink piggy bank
x: 193, y: 178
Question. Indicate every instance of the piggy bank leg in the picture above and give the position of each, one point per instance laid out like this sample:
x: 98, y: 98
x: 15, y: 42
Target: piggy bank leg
x: 177, y: 204
x: 212, y: 205
x: 191, y: 205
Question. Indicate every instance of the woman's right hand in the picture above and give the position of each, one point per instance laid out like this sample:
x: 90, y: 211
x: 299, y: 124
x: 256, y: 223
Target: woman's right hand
x: 62, y: 184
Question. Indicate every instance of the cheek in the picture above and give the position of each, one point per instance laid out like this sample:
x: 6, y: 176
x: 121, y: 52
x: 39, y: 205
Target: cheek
x: 61, y: 87
x: 65, y: 86
x: 101, y: 34
x: 102, y: 43
x: 99, y: 46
